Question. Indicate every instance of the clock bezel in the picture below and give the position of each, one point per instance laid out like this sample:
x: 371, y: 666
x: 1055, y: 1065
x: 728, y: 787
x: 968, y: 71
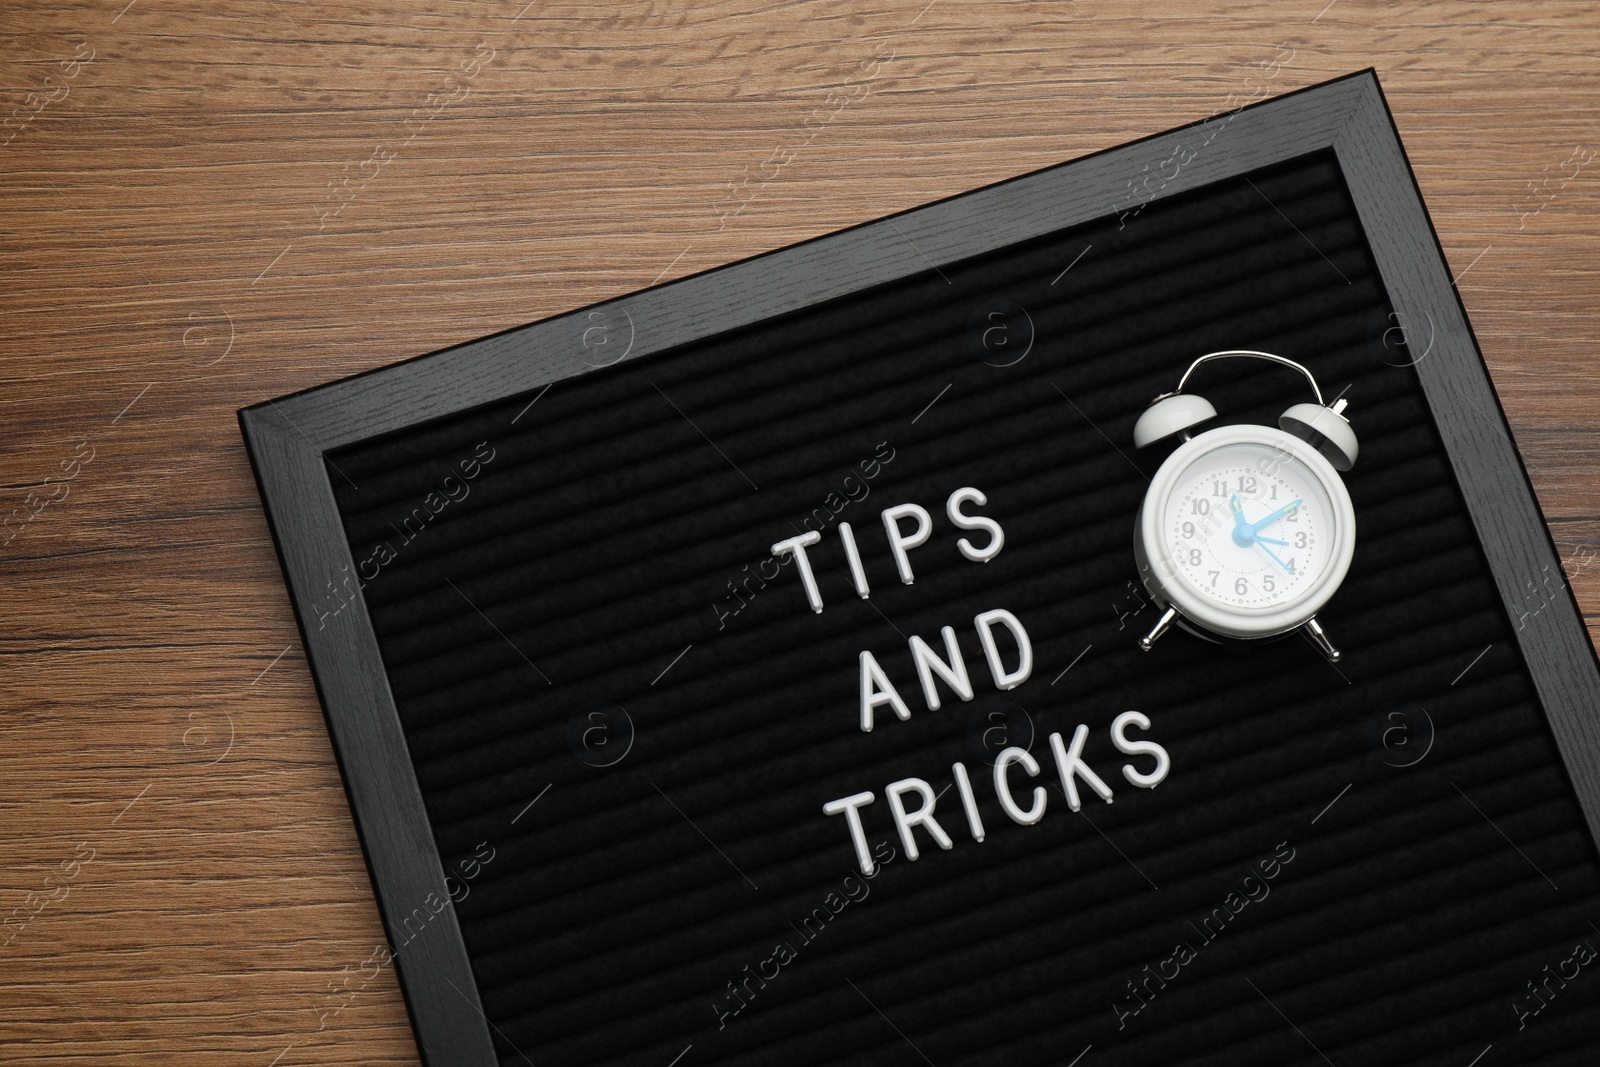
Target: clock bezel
x: 1162, y: 574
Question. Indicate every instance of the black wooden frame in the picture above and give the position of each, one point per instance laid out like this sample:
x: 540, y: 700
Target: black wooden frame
x: 288, y: 439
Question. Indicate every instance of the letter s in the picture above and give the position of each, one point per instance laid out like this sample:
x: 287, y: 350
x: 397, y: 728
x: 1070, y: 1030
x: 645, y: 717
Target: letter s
x: 1119, y: 738
x: 997, y: 537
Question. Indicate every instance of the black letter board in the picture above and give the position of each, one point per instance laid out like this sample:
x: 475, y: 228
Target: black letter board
x: 589, y: 720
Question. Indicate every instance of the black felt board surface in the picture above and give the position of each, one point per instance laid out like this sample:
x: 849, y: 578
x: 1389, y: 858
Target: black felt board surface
x: 600, y: 540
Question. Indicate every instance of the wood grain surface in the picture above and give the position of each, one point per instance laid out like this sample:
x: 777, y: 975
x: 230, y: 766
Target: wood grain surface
x: 207, y: 205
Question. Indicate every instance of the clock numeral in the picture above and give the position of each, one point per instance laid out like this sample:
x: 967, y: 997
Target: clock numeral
x: 1289, y: 566
x: 1188, y: 530
x: 1242, y: 586
x: 1267, y: 583
x: 1300, y: 539
x: 1274, y: 491
x: 1219, y: 488
x: 1194, y: 557
x: 1292, y: 516
x: 1213, y: 578
x: 1201, y: 506
x: 1247, y: 484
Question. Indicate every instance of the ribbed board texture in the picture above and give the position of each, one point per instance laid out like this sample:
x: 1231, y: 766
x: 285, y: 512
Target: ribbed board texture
x: 598, y: 544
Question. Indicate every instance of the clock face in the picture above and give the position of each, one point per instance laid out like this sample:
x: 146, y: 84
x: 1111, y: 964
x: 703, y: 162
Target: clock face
x: 1249, y: 526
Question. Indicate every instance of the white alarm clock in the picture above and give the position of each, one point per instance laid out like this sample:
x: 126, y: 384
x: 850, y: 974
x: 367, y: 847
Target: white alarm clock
x: 1246, y: 531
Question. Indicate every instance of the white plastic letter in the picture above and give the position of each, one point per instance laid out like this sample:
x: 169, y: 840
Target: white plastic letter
x: 969, y: 803
x: 923, y: 816
x: 851, y: 806
x: 1002, y: 680
x: 928, y: 664
x: 997, y: 537
x: 1002, y: 787
x: 1070, y: 765
x: 797, y: 545
x: 876, y: 689
x: 899, y: 542
x: 1139, y: 748
x: 857, y: 574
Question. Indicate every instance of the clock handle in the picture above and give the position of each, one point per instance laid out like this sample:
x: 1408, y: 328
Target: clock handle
x: 1162, y: 625
x: 1319, y: 637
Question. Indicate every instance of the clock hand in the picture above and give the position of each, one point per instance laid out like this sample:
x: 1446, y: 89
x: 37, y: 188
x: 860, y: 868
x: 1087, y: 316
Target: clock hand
x: 1243, y: 532
x: 1275, y: 558
x: 1276, y: 515
x: 1271, y: 541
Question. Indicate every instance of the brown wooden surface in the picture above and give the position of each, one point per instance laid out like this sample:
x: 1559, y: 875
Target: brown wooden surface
x: 170, y: 253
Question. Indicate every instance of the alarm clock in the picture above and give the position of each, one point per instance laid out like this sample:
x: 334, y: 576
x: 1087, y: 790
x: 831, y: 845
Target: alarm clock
x: 1247, y: 530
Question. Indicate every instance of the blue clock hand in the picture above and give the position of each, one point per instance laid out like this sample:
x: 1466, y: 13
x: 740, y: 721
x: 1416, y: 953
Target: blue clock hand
x: 1272, y: 541
x: 1275, y: 558
x: 1276, y: 515
x: 1243, y: 532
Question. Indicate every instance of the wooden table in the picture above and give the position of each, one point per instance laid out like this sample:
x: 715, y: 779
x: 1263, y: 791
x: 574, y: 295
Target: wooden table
x: 206, y: 206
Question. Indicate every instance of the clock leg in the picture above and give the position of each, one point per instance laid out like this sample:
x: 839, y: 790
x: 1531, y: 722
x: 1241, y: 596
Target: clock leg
x: 1161, y: 627
x: 1319, y: 637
